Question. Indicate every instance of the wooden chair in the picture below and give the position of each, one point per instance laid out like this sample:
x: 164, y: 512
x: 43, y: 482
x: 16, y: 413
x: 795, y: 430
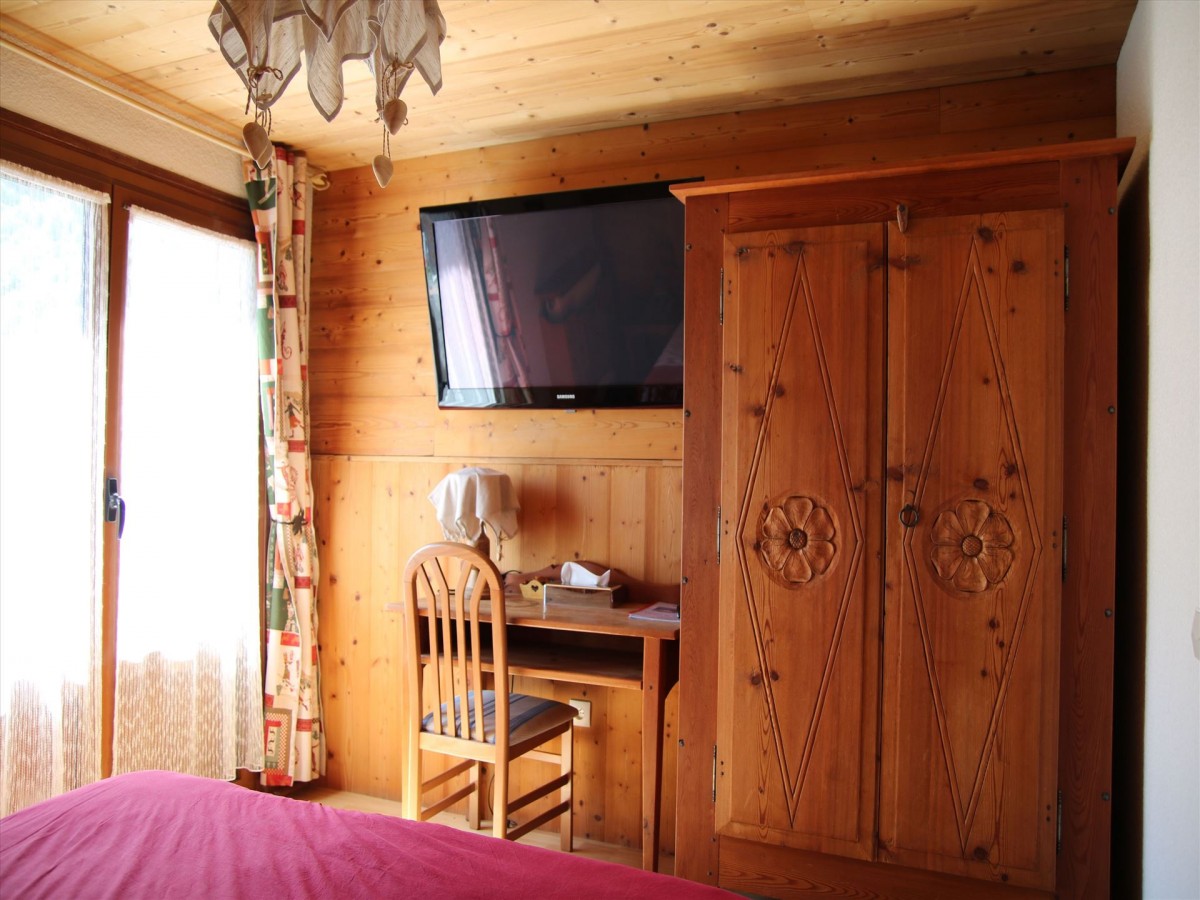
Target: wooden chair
x: 446, y: 649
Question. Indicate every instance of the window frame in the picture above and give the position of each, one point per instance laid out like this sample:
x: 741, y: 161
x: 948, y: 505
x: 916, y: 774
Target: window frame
x: 128, y: 181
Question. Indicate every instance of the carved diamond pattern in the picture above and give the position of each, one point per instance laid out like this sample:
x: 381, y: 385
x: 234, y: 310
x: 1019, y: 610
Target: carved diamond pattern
x: 954, y: 570
x: 792, y: 571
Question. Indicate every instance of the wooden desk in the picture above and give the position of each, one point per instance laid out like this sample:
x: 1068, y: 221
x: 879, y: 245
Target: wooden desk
x: 648, y: 662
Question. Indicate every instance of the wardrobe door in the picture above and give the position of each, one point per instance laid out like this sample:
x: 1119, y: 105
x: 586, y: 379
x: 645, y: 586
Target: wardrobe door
x: 974, y: 557
x: 800, y: 538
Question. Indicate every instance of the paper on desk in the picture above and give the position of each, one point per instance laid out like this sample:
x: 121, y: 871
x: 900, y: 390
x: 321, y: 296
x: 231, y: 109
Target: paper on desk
x: 576, y: 575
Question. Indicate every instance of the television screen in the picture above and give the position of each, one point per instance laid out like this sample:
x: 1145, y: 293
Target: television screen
x: 561, y: 300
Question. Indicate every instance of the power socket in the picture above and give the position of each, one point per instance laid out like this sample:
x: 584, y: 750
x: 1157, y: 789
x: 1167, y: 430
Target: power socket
x: 583, y: 718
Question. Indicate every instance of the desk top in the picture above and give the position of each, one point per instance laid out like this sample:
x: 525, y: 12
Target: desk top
x: 594, y: 619
x: 591, y: 619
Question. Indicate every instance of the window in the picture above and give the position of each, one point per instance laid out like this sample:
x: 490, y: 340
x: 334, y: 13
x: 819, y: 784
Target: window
x: 158, y: 390
x: 53, y: 241
x: 188, y: 695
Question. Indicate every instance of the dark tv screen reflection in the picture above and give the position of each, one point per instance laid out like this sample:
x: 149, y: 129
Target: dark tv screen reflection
x: 568, y: 300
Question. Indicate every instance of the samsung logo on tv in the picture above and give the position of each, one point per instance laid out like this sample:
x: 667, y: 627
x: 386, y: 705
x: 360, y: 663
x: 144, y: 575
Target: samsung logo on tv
x: 565, y: 396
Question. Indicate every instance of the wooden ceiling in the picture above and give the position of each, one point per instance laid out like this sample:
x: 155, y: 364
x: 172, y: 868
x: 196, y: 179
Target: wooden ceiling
x: 520, y: 69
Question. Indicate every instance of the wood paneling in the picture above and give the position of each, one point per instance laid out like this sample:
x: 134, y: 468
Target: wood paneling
x: 600, y: 485
x: 373, y: 386
x: 610, y: 62
x: 372, y: 513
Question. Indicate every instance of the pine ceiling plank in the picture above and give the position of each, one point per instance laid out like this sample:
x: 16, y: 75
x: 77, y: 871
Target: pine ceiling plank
x: 1021, y: 102
x: 520, y: 69
x: 85, y: 24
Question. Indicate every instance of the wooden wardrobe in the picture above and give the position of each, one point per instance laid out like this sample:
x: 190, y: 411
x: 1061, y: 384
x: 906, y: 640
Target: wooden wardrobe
x: 899, y: 528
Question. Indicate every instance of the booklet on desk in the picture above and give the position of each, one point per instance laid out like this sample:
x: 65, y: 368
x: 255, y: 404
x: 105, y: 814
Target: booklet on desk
x: 659, y: 612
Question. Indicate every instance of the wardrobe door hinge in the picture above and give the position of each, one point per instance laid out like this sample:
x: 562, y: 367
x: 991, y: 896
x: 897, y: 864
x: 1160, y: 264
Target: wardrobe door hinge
x: 1058, y: 826
x: 721, y: 298
x: 1064, y: 549
x: 1066, y: 277
x: 714, y: 780
x: 718, y: 535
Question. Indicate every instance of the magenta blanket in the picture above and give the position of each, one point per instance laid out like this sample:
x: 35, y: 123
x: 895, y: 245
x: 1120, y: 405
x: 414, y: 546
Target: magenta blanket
x: 158, y: 834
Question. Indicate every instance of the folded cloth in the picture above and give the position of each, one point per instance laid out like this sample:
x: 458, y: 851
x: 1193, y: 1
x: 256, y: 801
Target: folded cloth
x: 470, y: 498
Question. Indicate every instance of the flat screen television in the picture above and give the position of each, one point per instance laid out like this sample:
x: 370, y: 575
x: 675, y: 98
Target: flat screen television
x: 558, y: 301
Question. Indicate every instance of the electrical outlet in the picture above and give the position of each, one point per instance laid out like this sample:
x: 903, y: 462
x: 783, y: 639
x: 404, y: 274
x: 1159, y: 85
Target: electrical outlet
x: 583, y: 718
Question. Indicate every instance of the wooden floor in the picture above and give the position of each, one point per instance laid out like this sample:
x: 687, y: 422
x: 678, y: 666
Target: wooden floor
x: 626, y: 856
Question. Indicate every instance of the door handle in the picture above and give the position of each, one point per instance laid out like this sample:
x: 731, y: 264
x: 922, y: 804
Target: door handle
x: 114, y: 506
x: 909, y: 515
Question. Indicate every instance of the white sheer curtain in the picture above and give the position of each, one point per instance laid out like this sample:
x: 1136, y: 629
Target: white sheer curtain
x: 472, y: 360
x: 189, y: 674
x: 53, y: 244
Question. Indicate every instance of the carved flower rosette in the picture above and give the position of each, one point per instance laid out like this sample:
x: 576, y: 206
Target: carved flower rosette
x: 972, y: 547
x: 795, y: 541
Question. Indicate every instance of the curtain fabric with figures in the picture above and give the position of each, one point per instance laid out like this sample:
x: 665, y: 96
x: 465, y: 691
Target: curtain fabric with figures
x: 295, y: 742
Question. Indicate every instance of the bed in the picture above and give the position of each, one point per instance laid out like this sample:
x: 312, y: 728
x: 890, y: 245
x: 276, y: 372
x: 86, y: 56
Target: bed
x: 159, y: 834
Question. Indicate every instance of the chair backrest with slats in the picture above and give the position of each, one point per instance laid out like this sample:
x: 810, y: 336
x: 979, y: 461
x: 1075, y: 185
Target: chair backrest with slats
x: 444, y: 586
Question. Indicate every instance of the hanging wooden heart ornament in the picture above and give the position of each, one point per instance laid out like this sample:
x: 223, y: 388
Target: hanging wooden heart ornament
x: 394, y: 114
x: 258, y: 143
x: 382, y: 167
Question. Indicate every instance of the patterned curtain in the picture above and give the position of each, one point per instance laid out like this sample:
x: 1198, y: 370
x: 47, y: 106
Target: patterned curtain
x: 295, y: 741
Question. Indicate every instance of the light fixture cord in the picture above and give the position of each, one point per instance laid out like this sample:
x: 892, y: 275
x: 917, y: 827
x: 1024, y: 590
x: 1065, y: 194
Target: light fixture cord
x: 391, y: 78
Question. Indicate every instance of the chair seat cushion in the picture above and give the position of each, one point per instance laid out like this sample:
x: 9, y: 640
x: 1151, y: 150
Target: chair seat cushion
x: 526, y: 715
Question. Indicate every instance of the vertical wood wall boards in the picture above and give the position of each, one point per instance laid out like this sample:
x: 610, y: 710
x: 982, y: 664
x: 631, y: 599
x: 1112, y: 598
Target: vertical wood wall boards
x: 605, y: 485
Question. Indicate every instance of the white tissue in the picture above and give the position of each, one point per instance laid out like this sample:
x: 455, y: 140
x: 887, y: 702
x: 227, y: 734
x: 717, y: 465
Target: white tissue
x: 577, y: 575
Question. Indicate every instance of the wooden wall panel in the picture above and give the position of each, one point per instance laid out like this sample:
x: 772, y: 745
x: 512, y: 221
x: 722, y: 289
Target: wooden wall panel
x: 601, y: 485
x: 372, y: 512
x: 616, y: 434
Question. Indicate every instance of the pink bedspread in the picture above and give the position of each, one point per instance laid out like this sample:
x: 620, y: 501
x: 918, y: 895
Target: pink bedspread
x: 158, y: 834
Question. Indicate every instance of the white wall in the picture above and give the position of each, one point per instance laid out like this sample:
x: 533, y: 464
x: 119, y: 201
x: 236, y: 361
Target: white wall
x: 1158, y: 102
x: 38, y: 92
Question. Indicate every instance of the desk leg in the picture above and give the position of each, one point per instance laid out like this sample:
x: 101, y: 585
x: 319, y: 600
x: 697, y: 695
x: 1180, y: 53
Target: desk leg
x: 654, y: 698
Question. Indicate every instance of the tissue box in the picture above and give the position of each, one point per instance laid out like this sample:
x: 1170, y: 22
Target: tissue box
x: 555, y: 594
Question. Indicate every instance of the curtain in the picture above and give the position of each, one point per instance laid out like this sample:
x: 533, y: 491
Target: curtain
x: 189, y: 671
x: 294, y: 737
x: 53, y: 310
x: 471, y: 357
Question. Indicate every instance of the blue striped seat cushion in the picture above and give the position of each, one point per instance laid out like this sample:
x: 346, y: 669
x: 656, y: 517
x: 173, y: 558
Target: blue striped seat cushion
x: 521, y: 708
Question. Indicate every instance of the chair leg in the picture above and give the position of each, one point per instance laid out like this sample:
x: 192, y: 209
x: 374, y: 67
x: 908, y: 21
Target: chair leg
x: 476, y: 799
x: 411, y: 801
x: 500, y: 799
x: 566, y: 827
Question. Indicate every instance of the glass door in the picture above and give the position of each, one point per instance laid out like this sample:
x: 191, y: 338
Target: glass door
x: 53, y: 241
x: 188, y: 694
x: 134, y: 393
